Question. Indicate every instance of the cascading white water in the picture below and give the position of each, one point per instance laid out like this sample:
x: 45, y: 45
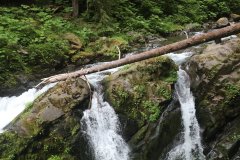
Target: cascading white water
x: 191, y: 147
x: 10, y: 107
x: 102, y: 126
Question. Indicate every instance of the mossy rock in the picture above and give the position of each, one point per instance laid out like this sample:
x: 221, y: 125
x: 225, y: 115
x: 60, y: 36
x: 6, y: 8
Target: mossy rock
x: 103, y: 49
x: 50, y: 126
x: 109, y: 46
x: 140, y: 91
x: 75, y: 42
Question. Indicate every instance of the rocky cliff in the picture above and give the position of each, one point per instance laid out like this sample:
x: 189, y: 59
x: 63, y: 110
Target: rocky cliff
x: 215, y: 76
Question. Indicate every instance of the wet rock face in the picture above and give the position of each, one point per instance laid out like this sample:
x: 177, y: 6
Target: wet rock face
x: 215, y: 82
x: 50, y: 125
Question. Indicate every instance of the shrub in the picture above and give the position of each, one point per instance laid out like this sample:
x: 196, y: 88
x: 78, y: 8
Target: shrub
x: 49, y: 54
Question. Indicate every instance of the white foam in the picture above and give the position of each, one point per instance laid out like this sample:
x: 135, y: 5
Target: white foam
x: 102, y: 129
x: 179, y: 58
x: 102, y: 125
x: 10, y: 107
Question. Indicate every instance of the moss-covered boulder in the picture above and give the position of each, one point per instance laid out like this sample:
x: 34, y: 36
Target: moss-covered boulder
x: 216, y: 84
x: 50, y: 126
x: 102, y: 49
x: 140, y: 93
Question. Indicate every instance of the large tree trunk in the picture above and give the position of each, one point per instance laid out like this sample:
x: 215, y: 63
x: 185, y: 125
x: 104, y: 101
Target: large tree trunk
x: 75, y: 6
x: 195, y: 40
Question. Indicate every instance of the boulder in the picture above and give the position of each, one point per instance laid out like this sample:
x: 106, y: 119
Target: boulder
x: 235, y: 17
x: 140, y: 94
x: 141, y: 90
x: 74, y: 41
x: 215, y: 83
x: 50, y: 126
x: 222, y: 22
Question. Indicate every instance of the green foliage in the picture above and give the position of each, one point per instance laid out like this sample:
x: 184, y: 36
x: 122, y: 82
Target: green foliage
x: 232, y: 92
x: 123, y: 96
x: 86, y: 34
x: 54, y: 157
x: 159, y: 16
x: 159, y: 25
x: 11, y: 144
x: 214, y: 8
x: 140, y: 89
x: 31, y: 37
x: 153, y: 109
x: 49, y: 54
x: 162, y: 90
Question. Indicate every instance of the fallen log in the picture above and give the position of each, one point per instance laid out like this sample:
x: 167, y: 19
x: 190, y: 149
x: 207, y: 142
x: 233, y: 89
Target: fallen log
x: 195, y: 40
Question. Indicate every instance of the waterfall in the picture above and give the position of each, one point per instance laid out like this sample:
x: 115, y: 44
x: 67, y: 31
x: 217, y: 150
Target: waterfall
x: 10, y: 107
x: 102, y: 127
x: 191, y: 147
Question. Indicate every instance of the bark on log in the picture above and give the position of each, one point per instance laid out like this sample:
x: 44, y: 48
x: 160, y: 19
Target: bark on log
x: 195, y: 40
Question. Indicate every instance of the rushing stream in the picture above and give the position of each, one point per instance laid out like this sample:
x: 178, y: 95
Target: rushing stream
x: 191, y: 147
x: 10, y: 107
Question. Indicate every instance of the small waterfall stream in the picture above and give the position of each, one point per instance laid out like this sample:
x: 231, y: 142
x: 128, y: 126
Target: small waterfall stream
x: 102, y: 129
x: 191, y: 147
x: 102, y: 126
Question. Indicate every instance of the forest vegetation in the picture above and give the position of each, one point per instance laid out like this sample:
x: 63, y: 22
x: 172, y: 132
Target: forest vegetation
x: 40, y: 35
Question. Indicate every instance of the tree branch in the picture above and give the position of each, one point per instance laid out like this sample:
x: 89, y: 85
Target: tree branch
x: 195, y: 40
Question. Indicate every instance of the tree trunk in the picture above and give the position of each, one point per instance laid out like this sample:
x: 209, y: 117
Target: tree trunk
x: 195, y: 40
x: 75, y: 6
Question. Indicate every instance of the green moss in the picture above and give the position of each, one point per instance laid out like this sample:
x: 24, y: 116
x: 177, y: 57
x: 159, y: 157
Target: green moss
x: 75, y: 129
x: 139, y: 90
x: 164, y: 91
x: 232, y: 91
x: 171, y: 77
x: 11, y: 145
x: 125, y: 67
x: 109, y: 46
x: 213, y: 72
x: 122, y: 95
